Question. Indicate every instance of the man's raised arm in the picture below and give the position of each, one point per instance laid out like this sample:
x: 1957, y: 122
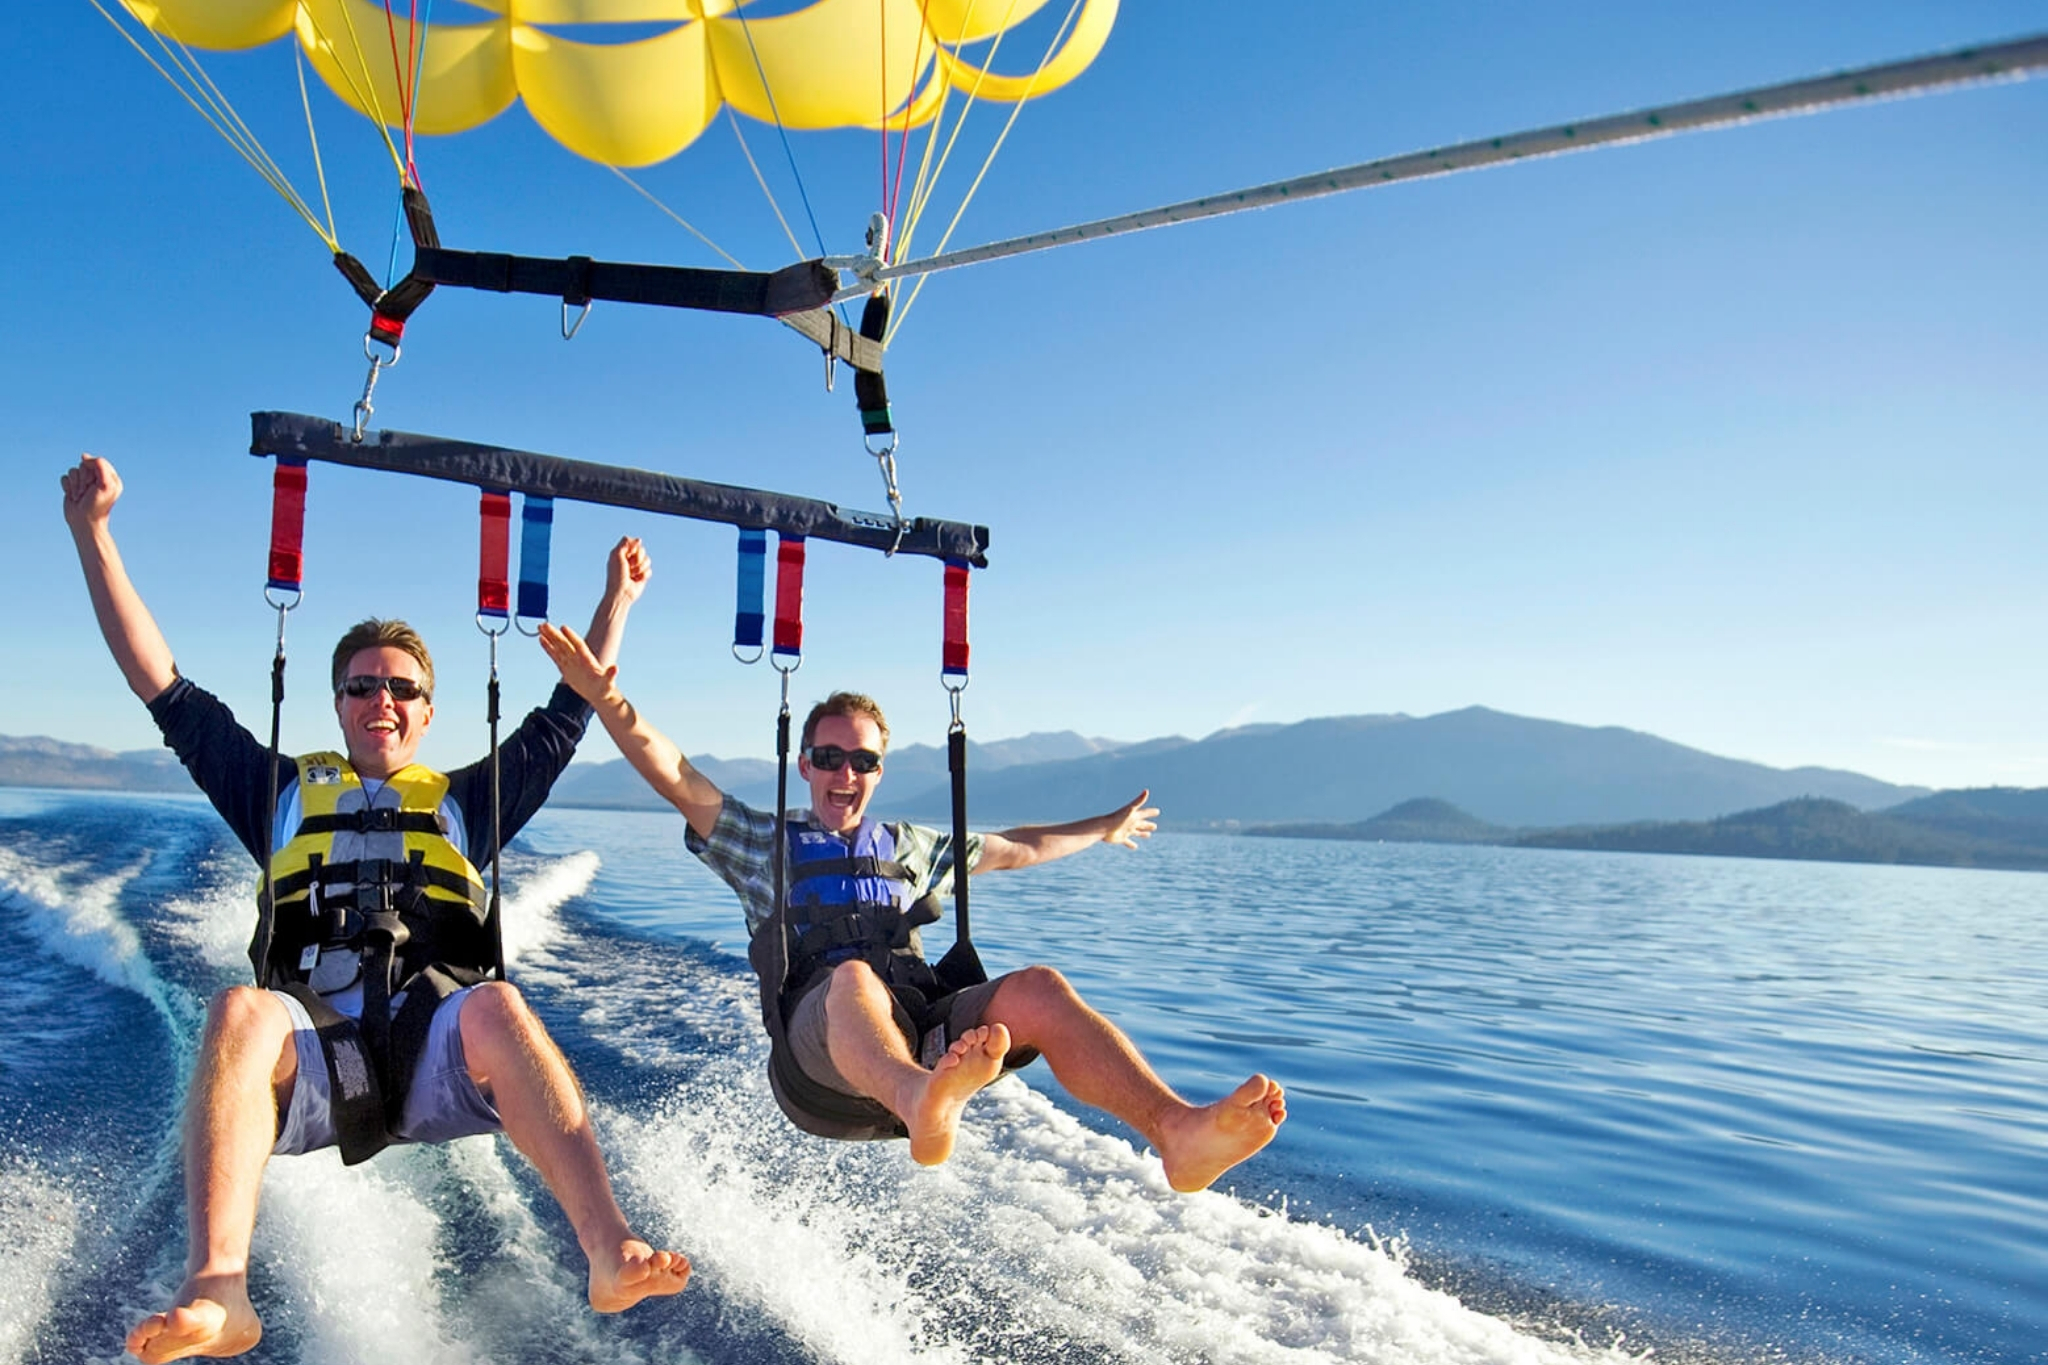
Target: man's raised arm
x: 625, y: 578
x: 90, y: 492
x: 650, y: 752
x: 1029, y: 844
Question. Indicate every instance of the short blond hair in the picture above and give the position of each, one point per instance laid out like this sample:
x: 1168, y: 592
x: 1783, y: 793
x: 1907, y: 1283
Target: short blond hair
x: 376, y: 634
x: 846, y: 704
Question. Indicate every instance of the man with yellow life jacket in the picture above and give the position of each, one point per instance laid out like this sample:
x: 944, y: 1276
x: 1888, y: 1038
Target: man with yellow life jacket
x: 372, y: 1021
x: 867, y: 1040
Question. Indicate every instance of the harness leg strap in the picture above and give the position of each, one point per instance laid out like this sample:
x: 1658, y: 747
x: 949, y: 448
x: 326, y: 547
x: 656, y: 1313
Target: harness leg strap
x: 356, y: 1094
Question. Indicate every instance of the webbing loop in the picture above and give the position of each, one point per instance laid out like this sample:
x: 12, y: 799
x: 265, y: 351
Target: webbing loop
x: 287, y: 536
x: 789, y: 606
x: 494, y: 553
x: 953, y: 649
x: 536, y: 524
x: 749, y: 613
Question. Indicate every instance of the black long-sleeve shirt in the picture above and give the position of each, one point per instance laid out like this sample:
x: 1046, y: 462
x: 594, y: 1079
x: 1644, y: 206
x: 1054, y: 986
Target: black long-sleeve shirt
x: 232, y: 767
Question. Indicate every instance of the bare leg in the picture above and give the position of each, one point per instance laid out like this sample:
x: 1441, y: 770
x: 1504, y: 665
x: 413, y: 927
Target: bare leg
x: 247, y: 1066
x: 512, y: 1059
x: 1098, y: 1065
x: 871, y: 1053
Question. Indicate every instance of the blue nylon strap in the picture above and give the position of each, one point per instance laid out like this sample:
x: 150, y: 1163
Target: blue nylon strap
x: 536, y: 522
x: 749, y: 613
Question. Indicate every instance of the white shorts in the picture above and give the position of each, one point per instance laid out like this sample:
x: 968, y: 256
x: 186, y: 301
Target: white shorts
x: 443, y: 1103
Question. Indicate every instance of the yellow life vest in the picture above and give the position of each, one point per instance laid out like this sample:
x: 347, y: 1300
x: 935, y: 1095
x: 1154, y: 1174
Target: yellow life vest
x: 356, y: 853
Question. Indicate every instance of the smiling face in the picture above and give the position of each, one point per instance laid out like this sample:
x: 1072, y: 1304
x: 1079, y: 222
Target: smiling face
x: 840, y: 799
x: 381, y: 733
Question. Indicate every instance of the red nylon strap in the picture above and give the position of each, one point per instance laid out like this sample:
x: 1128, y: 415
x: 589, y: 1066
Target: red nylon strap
x: 953, y: 656
x: 388, y: 330
x: 287, y: 525
x: 493, y: 594
x: 789, y: 594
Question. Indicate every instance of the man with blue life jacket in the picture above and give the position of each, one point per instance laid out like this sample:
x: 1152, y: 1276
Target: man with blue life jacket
x: 372, y: 1021
x: 867, y: 1040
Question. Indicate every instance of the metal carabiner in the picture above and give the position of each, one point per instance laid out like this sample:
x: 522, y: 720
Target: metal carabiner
x: 378, y: 364
x: 885, y: 458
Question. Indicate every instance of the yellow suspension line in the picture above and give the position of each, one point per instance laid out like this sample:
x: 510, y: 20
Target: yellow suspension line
x: 896, y: 322
x: 366, y: 93
x: 313, y: 136
x: 929, y: 186
x: 222, y: 120
x: 762, y: 181
x: 684, y: 223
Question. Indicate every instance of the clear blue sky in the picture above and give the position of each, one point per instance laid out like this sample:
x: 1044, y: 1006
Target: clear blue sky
x: 1735, y: 437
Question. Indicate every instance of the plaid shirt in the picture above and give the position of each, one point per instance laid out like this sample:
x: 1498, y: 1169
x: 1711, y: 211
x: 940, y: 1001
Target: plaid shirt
x: 741, y: 850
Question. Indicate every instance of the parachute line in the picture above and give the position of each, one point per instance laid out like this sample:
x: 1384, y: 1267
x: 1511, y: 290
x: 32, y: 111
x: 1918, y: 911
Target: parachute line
x: 788, y: 151
x: 892, y: 186
x: 2013, y: 61
x: 198, y: 90
x: 922, y: 191
x: 366, y: 93
x: 896, y: 322
x: 679, y: 220
x: 313, y: 137
x: 762, y: 180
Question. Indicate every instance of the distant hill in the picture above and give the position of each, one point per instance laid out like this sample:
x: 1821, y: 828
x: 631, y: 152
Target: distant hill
x: 2011, y: 815
x: 38, y: 762
x: 1810, y: 828
x: 1991, y: 827
x: 1503, y: 769
x: 1423, y: 821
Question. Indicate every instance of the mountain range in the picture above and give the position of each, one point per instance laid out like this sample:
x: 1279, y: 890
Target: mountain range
x: 1504, y: 770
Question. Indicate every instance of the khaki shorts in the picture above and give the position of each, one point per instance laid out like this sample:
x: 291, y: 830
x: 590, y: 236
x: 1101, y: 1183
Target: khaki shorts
x: 959, y: 1013
x: 442, y: 1104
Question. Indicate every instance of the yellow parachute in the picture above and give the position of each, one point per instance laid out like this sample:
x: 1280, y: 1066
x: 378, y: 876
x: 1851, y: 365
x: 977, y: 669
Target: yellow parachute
x: 831, y: 64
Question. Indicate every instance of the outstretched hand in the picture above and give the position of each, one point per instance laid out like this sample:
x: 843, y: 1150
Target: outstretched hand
x: 1132, y: 822
x: 627, y: 571
x: 586, y: 677
x: 90, y: 492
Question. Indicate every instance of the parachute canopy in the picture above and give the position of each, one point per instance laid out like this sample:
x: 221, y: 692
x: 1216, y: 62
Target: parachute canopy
x: 829, y: 64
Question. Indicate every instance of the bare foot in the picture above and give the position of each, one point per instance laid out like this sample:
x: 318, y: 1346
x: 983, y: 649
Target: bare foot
x: 933, y: 1113
x: 212, y: 1317
x: 1197, y: 1145
x: 637, y: 1272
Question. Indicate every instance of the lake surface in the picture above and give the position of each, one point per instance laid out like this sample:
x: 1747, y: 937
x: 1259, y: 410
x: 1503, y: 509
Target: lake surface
x: 1546, y: 1106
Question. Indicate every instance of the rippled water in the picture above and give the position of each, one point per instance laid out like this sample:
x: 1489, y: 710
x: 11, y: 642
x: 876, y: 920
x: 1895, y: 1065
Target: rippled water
x: 1726, y: 1111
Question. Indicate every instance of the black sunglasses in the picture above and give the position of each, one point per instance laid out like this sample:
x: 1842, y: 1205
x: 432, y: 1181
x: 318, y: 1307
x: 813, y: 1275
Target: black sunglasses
x: 367, y: 685
x: 830, y: 758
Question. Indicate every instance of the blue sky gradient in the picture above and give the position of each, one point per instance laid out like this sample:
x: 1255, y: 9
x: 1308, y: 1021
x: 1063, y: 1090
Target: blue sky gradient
x: 1733, y: 437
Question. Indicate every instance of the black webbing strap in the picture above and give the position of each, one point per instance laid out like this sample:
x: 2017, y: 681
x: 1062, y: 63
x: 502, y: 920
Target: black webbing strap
x: 372, y: 820
x: 493, y: 920
x: 870, y: 390
x: 354, y: 1087
x: 772, y: 992
x: 266, y: 914
x: 961, y: 966
x: 390, y: 309
x: 578, y: 280
x: 836, y: 339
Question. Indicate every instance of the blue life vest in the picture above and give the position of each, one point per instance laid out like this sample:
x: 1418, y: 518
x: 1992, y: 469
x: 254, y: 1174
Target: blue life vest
x: 849, y: 898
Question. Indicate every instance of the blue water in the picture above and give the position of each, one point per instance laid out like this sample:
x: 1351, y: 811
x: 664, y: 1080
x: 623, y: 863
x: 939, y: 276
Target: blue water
x: 1546, y: 1106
